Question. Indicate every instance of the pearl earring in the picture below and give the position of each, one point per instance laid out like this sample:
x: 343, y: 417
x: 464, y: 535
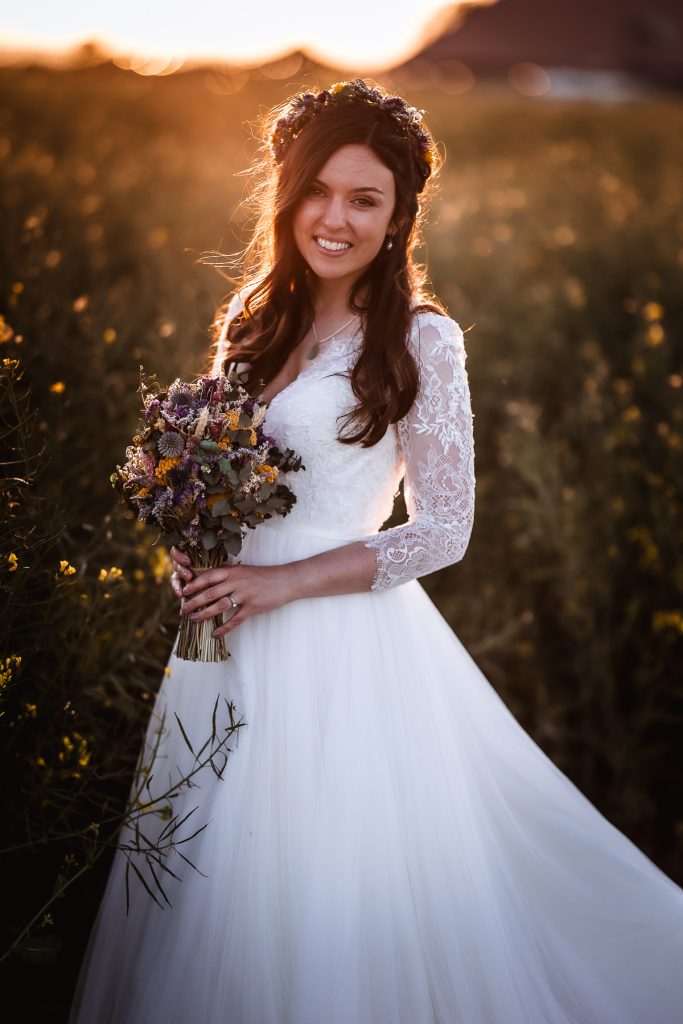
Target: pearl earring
x: 390, y: 244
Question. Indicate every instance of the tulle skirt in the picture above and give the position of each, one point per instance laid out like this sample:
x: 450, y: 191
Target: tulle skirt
x: 384, y: 845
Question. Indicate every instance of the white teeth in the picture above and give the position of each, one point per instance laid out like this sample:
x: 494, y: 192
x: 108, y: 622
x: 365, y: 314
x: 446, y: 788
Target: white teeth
x: 332, y: 246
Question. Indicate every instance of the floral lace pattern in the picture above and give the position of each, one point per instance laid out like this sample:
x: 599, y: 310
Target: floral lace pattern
x: 437, y: 443
x: 350, y: 490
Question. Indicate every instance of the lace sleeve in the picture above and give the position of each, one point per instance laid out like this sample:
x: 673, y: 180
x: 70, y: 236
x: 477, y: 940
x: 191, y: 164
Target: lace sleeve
x: 437, y: 443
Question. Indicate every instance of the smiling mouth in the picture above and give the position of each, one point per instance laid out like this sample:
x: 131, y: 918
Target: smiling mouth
x: 332, y: 248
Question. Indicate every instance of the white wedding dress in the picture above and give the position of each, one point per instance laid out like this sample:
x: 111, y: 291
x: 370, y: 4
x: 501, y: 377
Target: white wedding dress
x: 386, y: 844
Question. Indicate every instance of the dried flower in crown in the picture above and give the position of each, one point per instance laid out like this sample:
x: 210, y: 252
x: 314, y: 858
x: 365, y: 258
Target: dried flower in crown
x: 305, y: 106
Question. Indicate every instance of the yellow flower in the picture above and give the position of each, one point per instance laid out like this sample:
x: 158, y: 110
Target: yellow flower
x: 66, y: 569
x: 164, y: 466
x: 269, y: 472
x: 655, y: 335
x: 337, y: 87
x: 653, y: 311
x: 232, y: 419
x: 7, y: 668
x: 31, y: 709
x: 667, y: 620
x: 12, y: 562
x: 58, y: 387
x: 10, y: 364
x: 252, y: 437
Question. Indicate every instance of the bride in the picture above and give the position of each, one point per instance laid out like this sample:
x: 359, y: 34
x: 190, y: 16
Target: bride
x: 386, y: 845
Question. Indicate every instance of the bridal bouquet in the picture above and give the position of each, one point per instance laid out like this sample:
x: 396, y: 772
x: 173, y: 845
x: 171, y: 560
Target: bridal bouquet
x: 202, y: 469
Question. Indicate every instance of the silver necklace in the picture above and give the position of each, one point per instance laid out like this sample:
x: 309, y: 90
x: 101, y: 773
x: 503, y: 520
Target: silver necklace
x: 315, y: 348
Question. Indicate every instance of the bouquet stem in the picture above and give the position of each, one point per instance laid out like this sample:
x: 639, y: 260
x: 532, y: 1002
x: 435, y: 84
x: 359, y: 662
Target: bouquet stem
x: 195, y: 642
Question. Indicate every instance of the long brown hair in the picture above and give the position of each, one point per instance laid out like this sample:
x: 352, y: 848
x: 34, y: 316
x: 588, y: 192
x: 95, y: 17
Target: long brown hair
x: 278, y: 309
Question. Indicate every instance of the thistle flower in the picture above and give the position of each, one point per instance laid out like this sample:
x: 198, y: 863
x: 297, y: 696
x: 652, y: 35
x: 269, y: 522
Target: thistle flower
x: 171, y: 444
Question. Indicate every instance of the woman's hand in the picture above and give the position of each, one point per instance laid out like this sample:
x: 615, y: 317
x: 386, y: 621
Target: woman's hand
x: 255, y: 589
x: 181, y: 573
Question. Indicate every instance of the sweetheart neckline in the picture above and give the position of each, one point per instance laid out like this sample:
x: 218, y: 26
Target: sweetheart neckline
x: 304, y: 373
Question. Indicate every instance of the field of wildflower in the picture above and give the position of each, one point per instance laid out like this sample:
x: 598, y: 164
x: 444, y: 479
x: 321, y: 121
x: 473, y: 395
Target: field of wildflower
x: 557, y: 236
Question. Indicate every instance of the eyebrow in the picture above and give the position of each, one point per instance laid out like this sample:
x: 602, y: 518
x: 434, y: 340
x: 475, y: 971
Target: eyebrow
x: 364, y: 188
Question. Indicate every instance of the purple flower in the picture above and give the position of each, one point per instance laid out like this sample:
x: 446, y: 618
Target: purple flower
x: 153, y: 408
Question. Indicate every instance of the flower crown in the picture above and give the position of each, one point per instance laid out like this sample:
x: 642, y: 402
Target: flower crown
x: 306, y: 105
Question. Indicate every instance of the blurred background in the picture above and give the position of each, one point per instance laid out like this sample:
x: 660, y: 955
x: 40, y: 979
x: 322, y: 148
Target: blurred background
x: 556, y: 241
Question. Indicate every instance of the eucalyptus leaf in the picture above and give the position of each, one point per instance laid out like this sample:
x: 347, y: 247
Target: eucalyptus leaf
x: 209, y: 540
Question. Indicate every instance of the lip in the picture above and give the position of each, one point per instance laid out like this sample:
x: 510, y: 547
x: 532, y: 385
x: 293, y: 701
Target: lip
x: 335, y: 254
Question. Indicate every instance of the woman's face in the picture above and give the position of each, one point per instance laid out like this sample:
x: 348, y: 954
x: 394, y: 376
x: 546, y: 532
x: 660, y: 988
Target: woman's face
x: 351, y: 201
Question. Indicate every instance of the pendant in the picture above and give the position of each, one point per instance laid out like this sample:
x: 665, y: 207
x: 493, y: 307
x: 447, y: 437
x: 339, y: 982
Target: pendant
x: 313, y: 351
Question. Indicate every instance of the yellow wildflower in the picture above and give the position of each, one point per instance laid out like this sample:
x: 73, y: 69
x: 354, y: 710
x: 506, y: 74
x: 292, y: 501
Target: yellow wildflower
x: 10, y: 364
x: 655, y: 335
x: 252, y: 437
x: 6, y: 332
x: 269, y: 472
x: 76, y: 749
x: 12, y: 562
x: 66, y: 569
x: 31, y: 709
x: 653, y: 311
x: 58, y: 387
x: 7, y: 668
x: 667, y: 620
x: 164, y: 466
x: 232, y: 419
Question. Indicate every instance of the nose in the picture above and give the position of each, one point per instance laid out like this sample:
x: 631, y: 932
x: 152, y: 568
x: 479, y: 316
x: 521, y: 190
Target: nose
x: 334, y: 214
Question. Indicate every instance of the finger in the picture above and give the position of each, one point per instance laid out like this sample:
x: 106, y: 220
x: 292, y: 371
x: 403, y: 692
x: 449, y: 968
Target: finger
x: 227, y: 627
x: 204, y: 597
x: 179, y: 556
x: 217, y: 608
x: 204, y: 580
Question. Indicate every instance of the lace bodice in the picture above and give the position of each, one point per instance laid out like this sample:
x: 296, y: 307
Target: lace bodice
x: 350, y: 489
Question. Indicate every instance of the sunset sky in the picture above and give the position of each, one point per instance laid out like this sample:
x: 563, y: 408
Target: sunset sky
x: 353, y: 33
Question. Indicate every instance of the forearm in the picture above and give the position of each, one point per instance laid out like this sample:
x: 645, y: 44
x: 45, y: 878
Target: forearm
x: 348, y: 569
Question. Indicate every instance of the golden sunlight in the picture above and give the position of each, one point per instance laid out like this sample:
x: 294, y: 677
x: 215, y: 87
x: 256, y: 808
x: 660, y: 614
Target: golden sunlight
x: 350, y: 35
